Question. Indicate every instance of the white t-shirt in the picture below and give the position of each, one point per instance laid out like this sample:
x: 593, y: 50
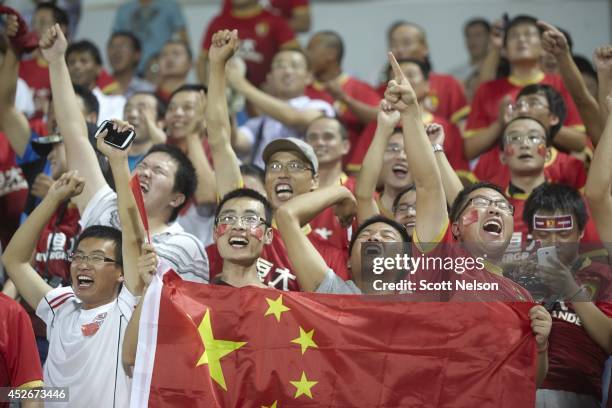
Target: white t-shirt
x: 111, y: 106
x: 271, y: 129
x: 89, y: 365
x: 183, y: 251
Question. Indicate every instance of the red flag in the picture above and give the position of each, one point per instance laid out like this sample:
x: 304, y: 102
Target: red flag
x: 204, y: 345
x: 24, y: 40
x: 135, y: 185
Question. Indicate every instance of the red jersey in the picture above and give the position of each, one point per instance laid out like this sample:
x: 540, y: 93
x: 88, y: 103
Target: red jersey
x: 485, y: 108
x: 559, y: 168
x: 283, y: 8
x: 262, y: 35
x: 13, y: 191
x: 274, y: 266
x: 355, y: 89
x: 445, y: 99
x: 575, y: 361
x: 107, y: 83
x: 446, y: 247
x: 19, y: 360
x: 453, y: 145
x: 328, y: 227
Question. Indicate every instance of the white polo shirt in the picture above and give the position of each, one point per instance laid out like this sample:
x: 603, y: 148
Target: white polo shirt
x: 85, y: 348
x: 183, y: 251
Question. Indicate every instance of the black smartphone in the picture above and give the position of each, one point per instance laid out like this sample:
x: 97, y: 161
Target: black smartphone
x: 119, y: 140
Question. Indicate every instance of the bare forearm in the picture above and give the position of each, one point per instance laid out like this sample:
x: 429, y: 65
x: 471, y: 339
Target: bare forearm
x: 418, y: 150
x: 206, y: 190
x: 130, y: 341
x: 571, y: 139
x: 132, y: 229
x: 604, y: 88
x: 542, y: 367
x: 372, y: 164
x: 481, y: 141
x: 305, y: 207
x: 12, y: 122
x: 8, y: 72
x: 227, y: 175
x: 598, y: 187
x: 363, y: 111
x: 489, y: 66
x: 596, y: 323
x: 450, y: 181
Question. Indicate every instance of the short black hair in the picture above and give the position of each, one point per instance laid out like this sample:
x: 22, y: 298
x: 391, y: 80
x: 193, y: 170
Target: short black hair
x: 85, y: 46
x: 160, y: 107
x: 189, y: 88
x: 520, y: 19
x: 246, y: 193
x: 423, y: 65
x: 253, y: 171
x: 556, y: 103
x: 59, y: 15
x: 464, y: 194
x: 333, y: 40
x: 89, y: 99
x: 180, y: 42
x: 107, y: 233
x: 400, y: 23
x: 375, y: 219
x: 481, y: 21
x: 502, y: 139
x: 135, y: 41
x: 185, y: 178
x: 399, y: 196
x: 341, y: 127
x: 585, y: 66
x: 553, y: 197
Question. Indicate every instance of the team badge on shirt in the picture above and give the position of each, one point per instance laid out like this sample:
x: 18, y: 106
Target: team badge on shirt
x: 92, y: 328
x: 262, y: 29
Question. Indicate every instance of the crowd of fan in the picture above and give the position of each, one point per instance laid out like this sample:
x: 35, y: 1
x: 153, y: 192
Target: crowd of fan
x: 277, y: 166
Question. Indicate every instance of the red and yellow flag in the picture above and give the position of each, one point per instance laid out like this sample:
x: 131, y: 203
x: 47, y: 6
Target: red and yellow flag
x: 216, y: 346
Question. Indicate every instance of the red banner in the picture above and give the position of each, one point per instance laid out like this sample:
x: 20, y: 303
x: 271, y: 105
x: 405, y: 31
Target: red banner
x: 135, y: 186
x: 251, y: 347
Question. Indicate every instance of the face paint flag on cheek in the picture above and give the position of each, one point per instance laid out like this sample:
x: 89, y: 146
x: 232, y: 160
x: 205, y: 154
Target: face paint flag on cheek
x: 257, y: 232
x: 221, y: 229
x: 553, y: 222
x: 509, y: 150
x: 542, y: 151
x: 470, y: 217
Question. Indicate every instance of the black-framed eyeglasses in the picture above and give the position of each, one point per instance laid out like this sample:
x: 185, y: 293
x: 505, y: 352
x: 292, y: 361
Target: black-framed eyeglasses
x: 294, y: 166
x: 484, y: 202
x: 92, y: 259
x: 246, y: 220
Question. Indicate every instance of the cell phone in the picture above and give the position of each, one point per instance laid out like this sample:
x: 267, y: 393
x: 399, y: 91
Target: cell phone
x: 546, y: 252
x: 119, y: 140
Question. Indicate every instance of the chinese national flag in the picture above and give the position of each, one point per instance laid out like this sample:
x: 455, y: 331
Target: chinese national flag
x: 217, y: 346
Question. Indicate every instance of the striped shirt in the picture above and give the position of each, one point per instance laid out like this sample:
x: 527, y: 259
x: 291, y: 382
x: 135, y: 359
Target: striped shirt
x: 183, y: 251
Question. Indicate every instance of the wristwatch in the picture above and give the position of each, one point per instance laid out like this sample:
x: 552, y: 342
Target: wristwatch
x: 437, y: 148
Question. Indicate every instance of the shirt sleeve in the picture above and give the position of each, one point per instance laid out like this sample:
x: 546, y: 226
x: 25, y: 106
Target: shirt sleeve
x: 101, y: 209
x: 127, y: 302
x: 176, y: 16
x: 322, y: 106
x: 333, y: 284
x: 185, y: 254
x: 23, y: 362
x: 477, y: 119
x: 53, y: 302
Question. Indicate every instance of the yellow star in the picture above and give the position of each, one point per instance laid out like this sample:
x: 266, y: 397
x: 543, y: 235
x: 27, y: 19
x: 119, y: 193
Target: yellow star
x: 215, y: 350
x: 276, y: 307
x: 271, y: 406
x: 305, y: 340
x: 303, y: 386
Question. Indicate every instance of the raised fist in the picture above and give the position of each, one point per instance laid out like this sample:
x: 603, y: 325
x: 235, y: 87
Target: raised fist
x: 70, y: 184
x: 53, y: 44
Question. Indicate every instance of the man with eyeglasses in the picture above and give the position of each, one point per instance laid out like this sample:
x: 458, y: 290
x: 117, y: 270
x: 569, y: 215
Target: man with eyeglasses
x: 481, y: 219
x: 87, y: 320
x: 522, y: 43
x: 291, y: 169
x: 546, y: 104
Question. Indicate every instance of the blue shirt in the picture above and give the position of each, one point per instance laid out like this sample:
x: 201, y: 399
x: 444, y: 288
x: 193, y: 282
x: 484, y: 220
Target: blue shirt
x: 153, y: 24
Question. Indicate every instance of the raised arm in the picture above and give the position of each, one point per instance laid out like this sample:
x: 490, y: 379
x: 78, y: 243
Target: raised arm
x: 308, y: 264
x: 80, y: 155
x: 147, y: 266
x: 363, y: 111
x: 227, y: 170
x: 270, y: 105
x: 450, y: 181
x: 603, y: 62
x: 132, y: 230
x: 483, y: 139
x: 16, y: 257
x: 554, y: 42
x: 598, y: 189
x: 430, y: 201
x: 12, y: 122
x: 373, y: 162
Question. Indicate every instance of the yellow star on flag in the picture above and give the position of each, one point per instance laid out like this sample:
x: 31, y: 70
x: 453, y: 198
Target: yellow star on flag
x: 303, y: 386
x: 215, y: 350
x: 276, y: 307
x: 305, y: 340
x: 271, y: 406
